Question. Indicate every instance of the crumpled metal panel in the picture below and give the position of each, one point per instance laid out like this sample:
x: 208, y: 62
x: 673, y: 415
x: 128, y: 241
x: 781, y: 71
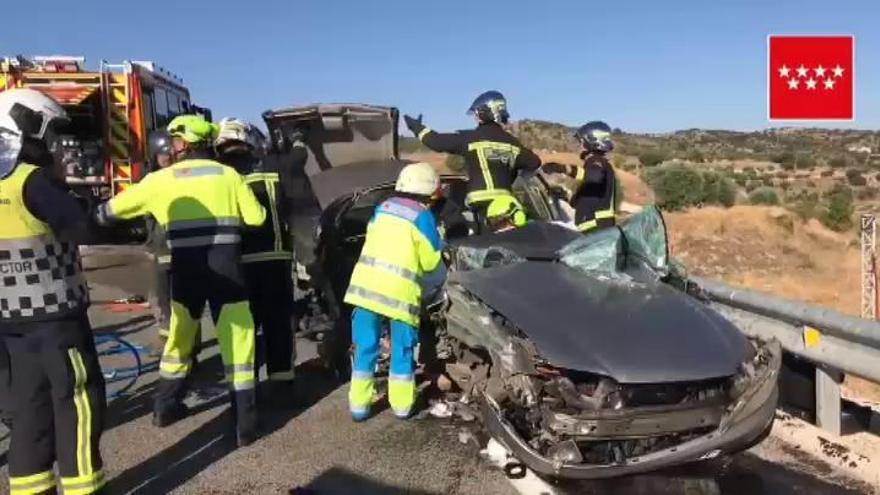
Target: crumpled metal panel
x: 632, y: 331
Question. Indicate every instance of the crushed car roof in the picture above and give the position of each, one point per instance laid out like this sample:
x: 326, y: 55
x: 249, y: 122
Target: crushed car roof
x: 535, y: 240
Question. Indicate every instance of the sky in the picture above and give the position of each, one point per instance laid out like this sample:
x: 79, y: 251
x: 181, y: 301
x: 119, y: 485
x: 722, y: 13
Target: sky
x: 650, y: 66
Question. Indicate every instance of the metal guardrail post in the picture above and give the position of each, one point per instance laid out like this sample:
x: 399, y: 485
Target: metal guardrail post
x: 828, y: 399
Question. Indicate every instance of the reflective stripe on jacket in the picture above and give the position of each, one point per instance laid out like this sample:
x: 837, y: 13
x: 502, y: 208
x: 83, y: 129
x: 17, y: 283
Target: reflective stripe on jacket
x: 272, y: 240
x: 402, y: 244
x: 493, y: 158
x: 197, y: 202
x: 40, y: 276
x: 595, y: 202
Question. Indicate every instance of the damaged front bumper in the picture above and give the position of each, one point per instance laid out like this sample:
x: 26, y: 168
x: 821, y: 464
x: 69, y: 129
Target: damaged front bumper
x: 743, y: 423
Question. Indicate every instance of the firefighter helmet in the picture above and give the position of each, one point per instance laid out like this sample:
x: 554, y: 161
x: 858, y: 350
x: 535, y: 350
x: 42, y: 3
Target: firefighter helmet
x: 505, y: 208
x: 193, y: 129
x: 595, y: 136
x: 490, y: 106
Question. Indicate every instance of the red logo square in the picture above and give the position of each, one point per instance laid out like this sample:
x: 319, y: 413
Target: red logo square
x: 811, y: 77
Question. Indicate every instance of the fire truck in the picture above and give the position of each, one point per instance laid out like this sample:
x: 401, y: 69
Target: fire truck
x: 112, y: 111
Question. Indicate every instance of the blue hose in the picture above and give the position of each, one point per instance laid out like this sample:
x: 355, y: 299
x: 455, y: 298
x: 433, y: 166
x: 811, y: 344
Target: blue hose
x: 129, y: 374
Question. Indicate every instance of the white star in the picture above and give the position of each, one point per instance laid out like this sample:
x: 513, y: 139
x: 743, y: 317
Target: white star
x: 811, y: 83
x: 829, y: 83
x: 820, y: 71
x: 838, y: 71
x: 792, y: 83
x: 802, y: 71
x: 784, y: 70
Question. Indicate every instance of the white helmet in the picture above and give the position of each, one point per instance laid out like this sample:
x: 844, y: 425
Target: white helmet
x: 28, y: 113
x: 418, y: 178
x: 234, y: 130
x: 25, y: 113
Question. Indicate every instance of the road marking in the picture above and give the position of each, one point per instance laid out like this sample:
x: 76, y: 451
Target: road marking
x: 529, y: 484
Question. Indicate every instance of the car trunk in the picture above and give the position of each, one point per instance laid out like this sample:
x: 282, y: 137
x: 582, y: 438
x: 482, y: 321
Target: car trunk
x: 339, y: 135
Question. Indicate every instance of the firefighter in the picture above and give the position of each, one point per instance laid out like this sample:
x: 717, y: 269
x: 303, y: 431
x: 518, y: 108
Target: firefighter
x: 594, y: 199
x: 160, y: 156
x: 202, y: 205
x: 402, y: 247
x: 505, y: 213
x: 492, y: 155
x: 267, y: 253
x: 57, y: 387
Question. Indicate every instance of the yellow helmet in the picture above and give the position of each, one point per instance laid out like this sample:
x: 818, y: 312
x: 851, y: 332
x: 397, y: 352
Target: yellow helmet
x: 193, y: 129
x: 506, y: 207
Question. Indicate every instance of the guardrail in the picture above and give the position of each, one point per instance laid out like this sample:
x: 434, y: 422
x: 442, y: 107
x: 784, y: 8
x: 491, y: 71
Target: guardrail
x: 835, y: 342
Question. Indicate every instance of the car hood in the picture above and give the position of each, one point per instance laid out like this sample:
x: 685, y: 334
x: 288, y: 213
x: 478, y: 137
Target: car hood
x: 634, y: 332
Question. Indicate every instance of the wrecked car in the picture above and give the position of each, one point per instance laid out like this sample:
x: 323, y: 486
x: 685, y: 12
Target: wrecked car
x: 590, y: 356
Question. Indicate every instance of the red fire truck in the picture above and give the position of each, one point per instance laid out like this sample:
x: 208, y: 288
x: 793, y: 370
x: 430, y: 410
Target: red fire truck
x: 113, y: 110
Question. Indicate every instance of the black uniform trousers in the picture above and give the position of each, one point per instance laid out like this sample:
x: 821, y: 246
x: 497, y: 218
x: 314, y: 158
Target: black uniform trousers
x: 58, y: 405
x: 161, y: 298
x: 270, y: 292
x: 211, y: 275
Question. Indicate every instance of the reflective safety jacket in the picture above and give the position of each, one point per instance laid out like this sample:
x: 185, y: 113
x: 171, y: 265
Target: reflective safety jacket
x: 198, y: 202
x: 40, y: 275
x: 493, y: 157
x: 594, y: 201
x: 272, y: 240
x: 402, y: 245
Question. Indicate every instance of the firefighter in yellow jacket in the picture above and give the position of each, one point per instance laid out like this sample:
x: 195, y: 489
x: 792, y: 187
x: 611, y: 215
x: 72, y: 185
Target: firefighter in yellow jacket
x: 202, y: 205
x: 57, y: 396
x: 401, y: 247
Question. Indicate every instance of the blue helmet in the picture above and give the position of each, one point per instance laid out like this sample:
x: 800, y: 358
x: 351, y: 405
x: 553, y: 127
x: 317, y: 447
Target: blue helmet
x: 490, y: 106
x: 595, y: 136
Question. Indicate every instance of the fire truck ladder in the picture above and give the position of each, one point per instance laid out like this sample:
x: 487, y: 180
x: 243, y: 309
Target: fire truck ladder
x: 117, y: 105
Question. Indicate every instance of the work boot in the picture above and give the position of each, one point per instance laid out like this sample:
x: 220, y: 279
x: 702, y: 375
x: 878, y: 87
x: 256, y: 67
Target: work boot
x: 170, y: 416
x: 246, y: 436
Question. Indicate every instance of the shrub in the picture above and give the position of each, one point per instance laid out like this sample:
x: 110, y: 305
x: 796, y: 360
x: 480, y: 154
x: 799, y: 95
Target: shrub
x: 826, y: 173
x: 805, y: 161
x: 786, y: 158
x: 455, y: 163
x: 726, y: 193
x: 696, y: 156
x: 807, y: 206
x: 764, y: 196
x: 838, y: 215
x: 857, y: 180
x: 652, y: 158
x: 676, y: 186
x: 839, y: 162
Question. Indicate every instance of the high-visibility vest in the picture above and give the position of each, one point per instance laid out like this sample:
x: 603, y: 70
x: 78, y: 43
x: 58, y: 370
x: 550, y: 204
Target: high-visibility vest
x: 40, y: 276
x: 198, y: 202
x: 402, y: 244
x: 271, y: 241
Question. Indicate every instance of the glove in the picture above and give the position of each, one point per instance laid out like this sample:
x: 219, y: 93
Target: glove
x: 299, y: 134
x: 554, y: 168
x: 414, y: 125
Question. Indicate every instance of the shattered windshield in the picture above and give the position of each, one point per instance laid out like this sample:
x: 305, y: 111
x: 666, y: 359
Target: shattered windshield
x: 639, y: 242
x: 470, y: 258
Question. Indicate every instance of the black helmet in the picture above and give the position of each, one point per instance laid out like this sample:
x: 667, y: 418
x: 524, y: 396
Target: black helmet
x: 159, y: 143
x: 595, y: 136
x: 490, y: 106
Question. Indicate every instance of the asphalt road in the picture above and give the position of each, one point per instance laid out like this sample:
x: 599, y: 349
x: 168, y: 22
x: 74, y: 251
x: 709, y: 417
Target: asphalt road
x: 318, y: 449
